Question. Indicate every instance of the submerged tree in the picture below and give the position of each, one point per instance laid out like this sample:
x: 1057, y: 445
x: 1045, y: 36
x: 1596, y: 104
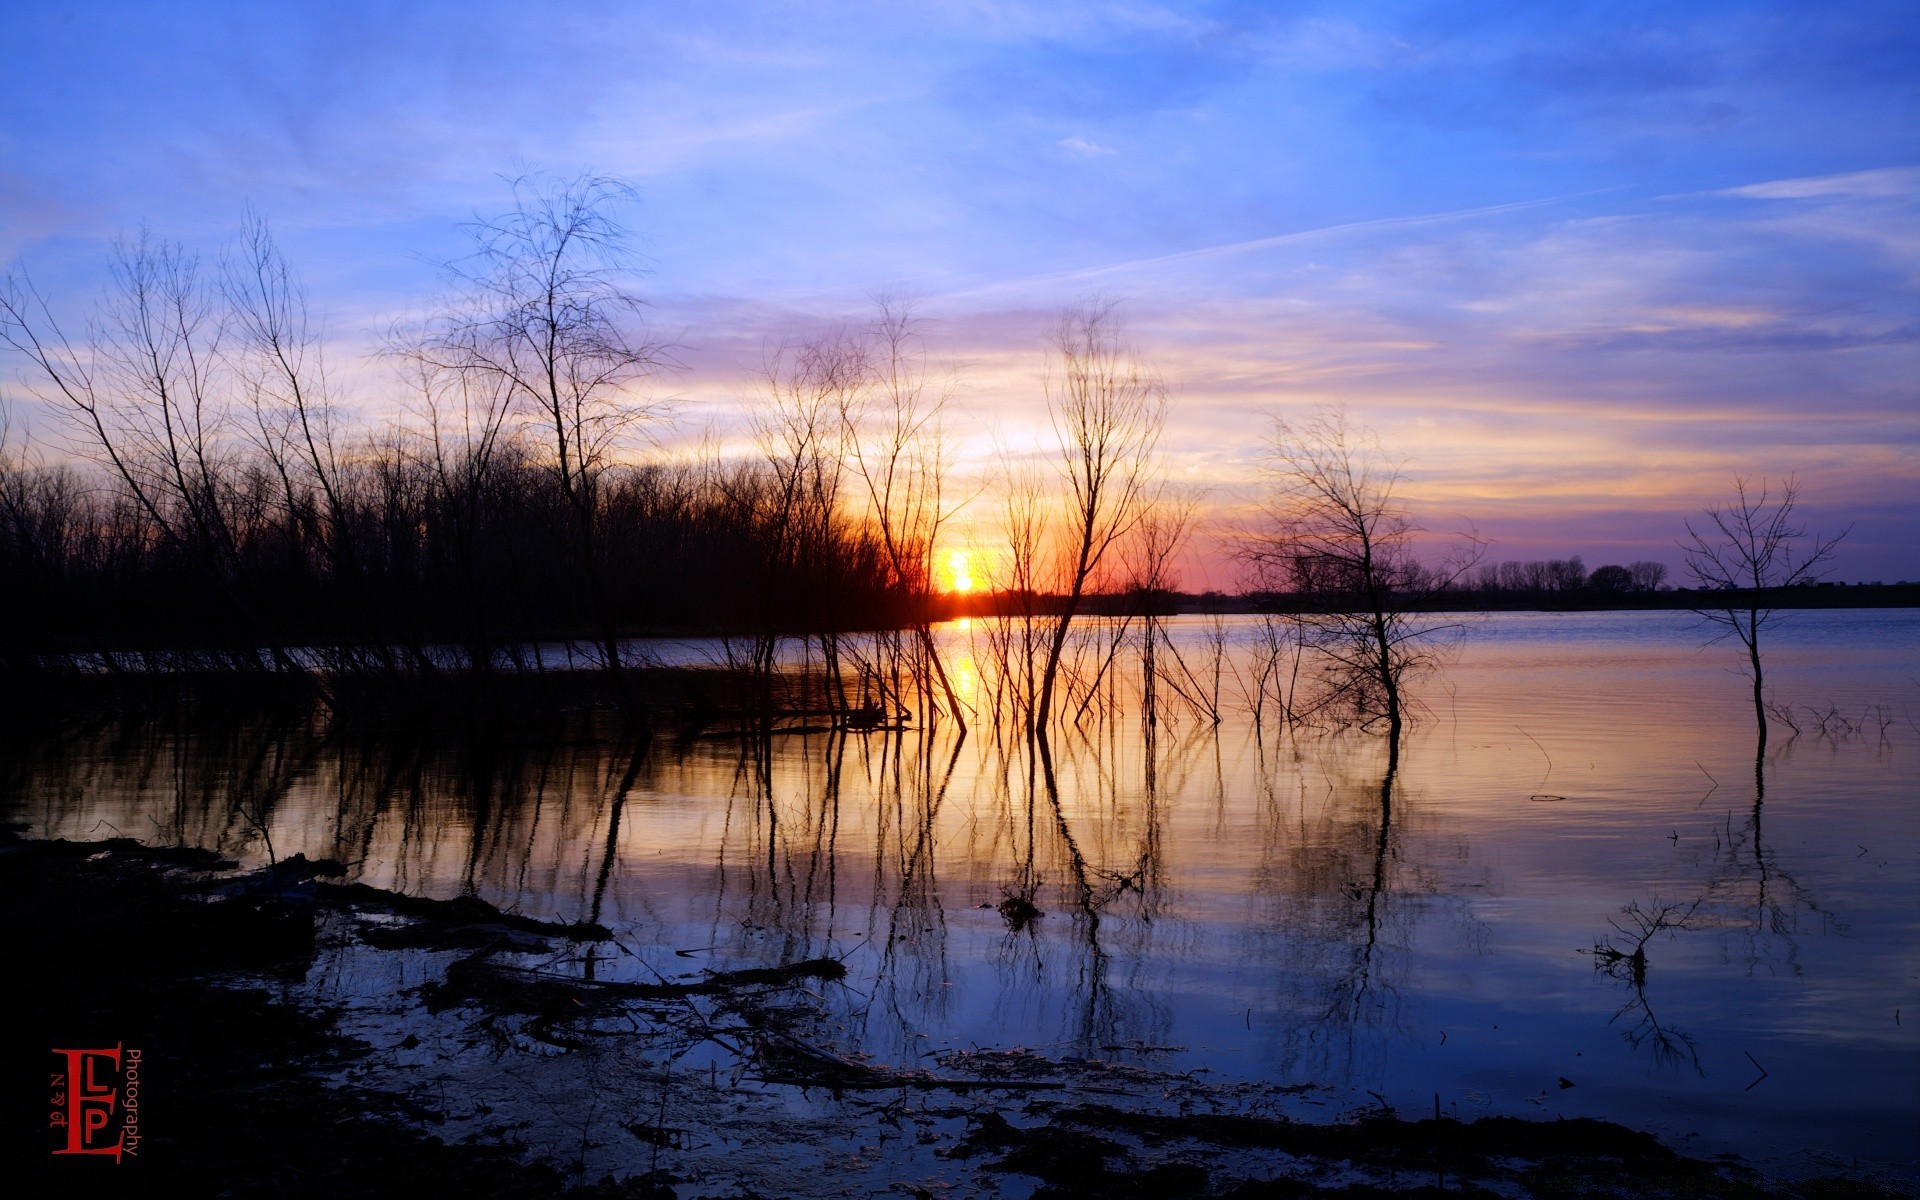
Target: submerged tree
x: 1108, y: 409
x: 802, y: 439
x: 1746, y: 552
x: 1337, y: 533
x: 895, y: 437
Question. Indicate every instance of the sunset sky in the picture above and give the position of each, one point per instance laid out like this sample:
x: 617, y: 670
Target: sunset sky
x: 1578, y: 263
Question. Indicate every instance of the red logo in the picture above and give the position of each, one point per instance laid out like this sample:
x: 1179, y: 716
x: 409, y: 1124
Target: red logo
x: 96, y: 1101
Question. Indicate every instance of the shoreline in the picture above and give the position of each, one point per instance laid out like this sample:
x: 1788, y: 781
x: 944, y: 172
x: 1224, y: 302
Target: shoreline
x: 207, y: 976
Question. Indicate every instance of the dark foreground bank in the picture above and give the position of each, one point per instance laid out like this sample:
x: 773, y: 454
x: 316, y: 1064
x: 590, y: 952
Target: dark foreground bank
x: 240, y: 1091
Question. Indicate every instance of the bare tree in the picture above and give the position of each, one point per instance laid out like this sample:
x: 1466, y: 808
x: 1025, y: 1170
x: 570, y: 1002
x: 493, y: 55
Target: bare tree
x: 140, y: 389
x: 1567, y: 574
x: 283, y: 376
x: 1014, y: 633
x: 801, y: 430
x: 1611, y: 579
x: 275, y: 357
x: 461, y: 439
x: 1647, y: 576
x: 144, y: 392
x: 896, y: 442
x: 1108, y: 409
x: 1149, y: 559
x: 1337, y: 533
x: 547, y: 314
x: 1745, y: 553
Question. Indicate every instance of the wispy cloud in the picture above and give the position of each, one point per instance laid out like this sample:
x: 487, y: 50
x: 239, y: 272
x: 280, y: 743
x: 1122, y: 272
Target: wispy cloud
x: 1082, y: 148
x: 1888, y: 182
x: 1112, y: 272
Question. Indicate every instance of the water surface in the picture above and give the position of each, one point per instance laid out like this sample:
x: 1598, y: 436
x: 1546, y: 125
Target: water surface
x: 1293, y: 907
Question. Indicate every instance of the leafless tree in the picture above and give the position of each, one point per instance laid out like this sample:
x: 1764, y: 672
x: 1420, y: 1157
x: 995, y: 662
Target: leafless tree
x: 1566, y: 574
x: 145, y: 395
x: 275, y: 357
x: 1149, y: 558
x: 1015, y: 638
x: 1744, y: 554
x: 51, y: 525
x: 139, y: 389
x: 546, y: 313
x: 459, y: 437
x: 1611, y: 579
x: 1647, y: 576
x: 1275, y: 672
x: 800, y: 427
x: 1337, y: 532
x: 1107, y: 409
x: 896, y: 445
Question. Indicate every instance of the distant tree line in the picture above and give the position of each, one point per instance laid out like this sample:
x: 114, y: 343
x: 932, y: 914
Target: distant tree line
x: 1565, y: 575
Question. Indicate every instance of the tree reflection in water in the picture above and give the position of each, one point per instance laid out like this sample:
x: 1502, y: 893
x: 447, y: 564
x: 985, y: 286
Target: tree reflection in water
x: 1623, y: 956
x: 834, y: 844
x: 1757, y: 901
x: 1340, y: 890
x: 1289, y: 905
x: 1328, y: 891
x: 1746, y: 894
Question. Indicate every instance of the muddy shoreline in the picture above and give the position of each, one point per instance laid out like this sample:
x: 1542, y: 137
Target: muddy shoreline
x: 251, y: 1088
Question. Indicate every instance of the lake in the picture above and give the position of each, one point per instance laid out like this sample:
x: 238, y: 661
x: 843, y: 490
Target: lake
x: 1578, y: 891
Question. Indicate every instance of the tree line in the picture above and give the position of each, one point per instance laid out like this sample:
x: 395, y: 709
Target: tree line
x: 222, y: 511
x: 1566, y: 575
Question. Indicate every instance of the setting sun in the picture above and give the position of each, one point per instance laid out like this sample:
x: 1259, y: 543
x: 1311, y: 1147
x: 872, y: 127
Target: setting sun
x: 959, y: 571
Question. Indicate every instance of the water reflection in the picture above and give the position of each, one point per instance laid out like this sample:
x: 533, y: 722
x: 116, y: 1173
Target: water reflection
x: 1623, y: 957
x: 1759, y: 900
x: 1746, y: 894
x: 1349, y: 881
x: 1148, y: 882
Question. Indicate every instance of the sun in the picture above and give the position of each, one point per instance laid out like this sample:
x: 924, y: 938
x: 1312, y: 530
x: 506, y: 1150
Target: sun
x: 959, y: 572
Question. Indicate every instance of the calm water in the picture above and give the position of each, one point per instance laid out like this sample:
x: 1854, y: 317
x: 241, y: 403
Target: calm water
x: 1263, y: 907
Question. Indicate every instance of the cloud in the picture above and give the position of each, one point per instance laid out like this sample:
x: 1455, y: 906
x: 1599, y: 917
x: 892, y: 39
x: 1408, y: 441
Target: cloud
x: 1884, y: 182
x: 1082, y: 148
x: 1502, y: 234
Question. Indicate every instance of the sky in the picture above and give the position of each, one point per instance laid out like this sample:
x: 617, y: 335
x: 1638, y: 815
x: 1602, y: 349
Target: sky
x: 1579, y: 265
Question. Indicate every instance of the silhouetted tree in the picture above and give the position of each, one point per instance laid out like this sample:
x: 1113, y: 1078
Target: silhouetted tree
x: 1335, y: 527
x: 1107, y: 409
x: 1611, y: 578
x: 226, y: 509
x: 896, y: 444
x: 546, y: 314
x: 1647, y: 576
x: 1566, y: 574
x: 145, y: 395
x: 1745, y: 552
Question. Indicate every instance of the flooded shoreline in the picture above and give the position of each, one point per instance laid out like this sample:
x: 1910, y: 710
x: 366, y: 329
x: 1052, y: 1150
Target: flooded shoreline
x: 514, y: 1079
x: 1573, y: 870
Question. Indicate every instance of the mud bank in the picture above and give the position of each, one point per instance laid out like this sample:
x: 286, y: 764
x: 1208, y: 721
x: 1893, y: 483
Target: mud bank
x: 511, y: 1058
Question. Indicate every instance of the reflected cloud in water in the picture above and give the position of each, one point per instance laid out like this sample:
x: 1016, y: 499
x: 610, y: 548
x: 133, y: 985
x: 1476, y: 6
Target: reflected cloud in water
x: 1286, y: 905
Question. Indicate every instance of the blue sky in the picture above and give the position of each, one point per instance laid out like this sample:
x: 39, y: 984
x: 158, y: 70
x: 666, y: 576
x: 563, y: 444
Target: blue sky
x: 1580, y: 263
